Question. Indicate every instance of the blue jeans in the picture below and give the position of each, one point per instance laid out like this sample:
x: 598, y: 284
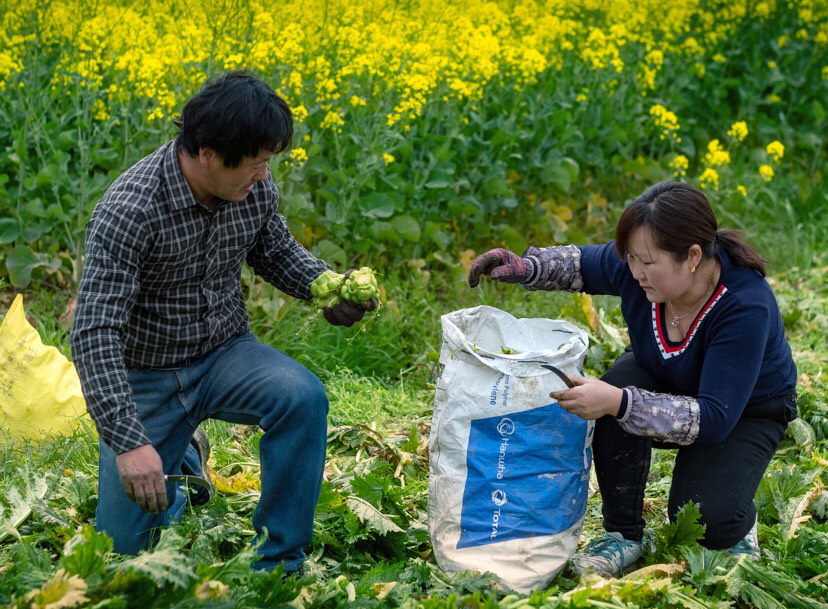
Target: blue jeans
x: 243, y: 381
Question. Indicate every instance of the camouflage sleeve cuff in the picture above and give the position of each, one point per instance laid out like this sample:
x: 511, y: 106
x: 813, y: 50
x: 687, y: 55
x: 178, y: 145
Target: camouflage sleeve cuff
x: 661, y: 416
x: 123, y: 434
x: 555, y: 268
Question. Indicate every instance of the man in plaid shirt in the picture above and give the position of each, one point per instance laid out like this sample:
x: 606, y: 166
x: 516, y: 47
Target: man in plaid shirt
x: 161, y: 335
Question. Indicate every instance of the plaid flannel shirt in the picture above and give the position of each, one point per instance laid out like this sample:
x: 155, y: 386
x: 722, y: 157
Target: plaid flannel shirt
x: 161, y: 282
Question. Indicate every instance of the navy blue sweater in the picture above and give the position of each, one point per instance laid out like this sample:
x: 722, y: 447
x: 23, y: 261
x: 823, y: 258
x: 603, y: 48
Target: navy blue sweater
x: 734, y: 355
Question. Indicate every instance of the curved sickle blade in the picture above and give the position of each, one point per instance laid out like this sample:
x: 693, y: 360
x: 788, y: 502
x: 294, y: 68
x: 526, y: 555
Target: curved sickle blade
x: 560, y: 374
x: 188, y: 480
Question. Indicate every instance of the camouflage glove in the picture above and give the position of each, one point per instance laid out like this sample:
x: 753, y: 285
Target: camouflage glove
x: 501, y: 265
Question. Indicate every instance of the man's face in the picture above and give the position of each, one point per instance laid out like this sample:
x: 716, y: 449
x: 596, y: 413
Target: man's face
x: 234, y: 183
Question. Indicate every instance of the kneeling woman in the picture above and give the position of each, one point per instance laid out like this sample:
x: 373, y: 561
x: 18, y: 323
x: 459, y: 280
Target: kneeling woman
x: 708, y: 370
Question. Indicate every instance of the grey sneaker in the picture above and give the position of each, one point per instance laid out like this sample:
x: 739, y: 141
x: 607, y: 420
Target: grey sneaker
x: 608, y: 556
x: 750, y: 544
x: 202, y: 446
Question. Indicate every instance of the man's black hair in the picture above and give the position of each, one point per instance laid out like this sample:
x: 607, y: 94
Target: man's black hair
x: 236, y: 115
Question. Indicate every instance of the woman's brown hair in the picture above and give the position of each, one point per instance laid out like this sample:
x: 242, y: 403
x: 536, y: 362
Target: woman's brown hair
x: 678, y: 216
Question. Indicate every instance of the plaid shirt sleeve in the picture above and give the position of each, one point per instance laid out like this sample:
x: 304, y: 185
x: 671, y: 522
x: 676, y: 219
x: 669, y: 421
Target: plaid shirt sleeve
x: 116, y: 240
x: 280, y: 259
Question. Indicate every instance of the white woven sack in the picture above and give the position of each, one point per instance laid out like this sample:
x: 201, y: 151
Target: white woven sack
x: 509, y: 468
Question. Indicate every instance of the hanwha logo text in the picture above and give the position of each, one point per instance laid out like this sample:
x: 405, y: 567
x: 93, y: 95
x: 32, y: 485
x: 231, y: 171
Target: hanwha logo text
x: 506, y: 427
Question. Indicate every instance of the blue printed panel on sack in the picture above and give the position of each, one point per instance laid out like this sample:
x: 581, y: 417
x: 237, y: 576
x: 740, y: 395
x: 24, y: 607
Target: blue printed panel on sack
x: 527, y: 475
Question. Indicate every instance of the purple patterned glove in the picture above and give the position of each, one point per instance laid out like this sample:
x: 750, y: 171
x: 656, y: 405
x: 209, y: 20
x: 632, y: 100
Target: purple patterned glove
x: 501, y: 265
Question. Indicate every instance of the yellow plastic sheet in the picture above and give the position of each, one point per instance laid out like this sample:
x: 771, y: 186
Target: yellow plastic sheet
x: 40, y: 392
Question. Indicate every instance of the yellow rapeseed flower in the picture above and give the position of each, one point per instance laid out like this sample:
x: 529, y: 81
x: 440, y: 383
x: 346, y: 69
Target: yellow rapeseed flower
x: 233, y: 61
x: 646, y: 77
x: 389, y: 158
x: 821, y: 37
x: 772, y: 65
x: 679, y: 165
x: 716, y: 156
x: 738, y: 131
x: 294, y: 82
x: 666, y: 120
x: 719, y: 58
x: 333, y: 120
x: 824, y: 72
x: 100, y: 111
x: 710, y: 177
x: 692, y: 47
x: 300, y: 113
x: 782, y: 41
x: 742, y: 190
x: 766, y: 171
x: 464, y: 89
x: 802, y: 34
x: 776, y: 150
x: 299, y: 154
x: 655, y: 57
x: 9, y: 65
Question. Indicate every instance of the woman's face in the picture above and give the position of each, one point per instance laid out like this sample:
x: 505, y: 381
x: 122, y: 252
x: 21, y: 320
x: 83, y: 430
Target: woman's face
x: 660, y: 276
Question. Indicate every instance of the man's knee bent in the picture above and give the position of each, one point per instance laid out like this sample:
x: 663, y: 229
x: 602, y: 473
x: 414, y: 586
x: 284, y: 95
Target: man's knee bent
x: 301, y: 398
x: 309, y: 395
x: 314, y: 401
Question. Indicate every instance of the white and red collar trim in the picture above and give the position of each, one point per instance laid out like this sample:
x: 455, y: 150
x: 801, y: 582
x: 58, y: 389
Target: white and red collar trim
x: 667, y: 351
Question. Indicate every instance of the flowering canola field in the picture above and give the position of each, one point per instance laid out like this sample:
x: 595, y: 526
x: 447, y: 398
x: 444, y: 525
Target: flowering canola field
x: 322, y: 50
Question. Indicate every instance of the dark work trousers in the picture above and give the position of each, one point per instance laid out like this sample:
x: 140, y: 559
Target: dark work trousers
x: 721, y: 478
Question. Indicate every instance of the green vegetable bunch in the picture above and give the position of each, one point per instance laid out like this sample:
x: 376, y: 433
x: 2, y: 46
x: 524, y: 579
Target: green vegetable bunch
x: 360, y: 286
x: 325, y: 289
x: 330, y: 288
